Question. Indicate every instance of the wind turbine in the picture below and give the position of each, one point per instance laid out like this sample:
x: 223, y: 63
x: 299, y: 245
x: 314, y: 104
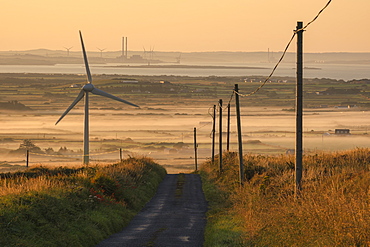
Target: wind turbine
x: 68, y: 50
x: 144, y: 52
x: 151, y: 53
x: 178, y: 58
x: 86, y: 89
x: 101, y: 51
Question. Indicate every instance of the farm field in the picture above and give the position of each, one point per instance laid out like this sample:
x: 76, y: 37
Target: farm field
x: 170, y: 108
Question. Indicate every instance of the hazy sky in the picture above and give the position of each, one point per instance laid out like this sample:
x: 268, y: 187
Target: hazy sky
x: 184, y: 25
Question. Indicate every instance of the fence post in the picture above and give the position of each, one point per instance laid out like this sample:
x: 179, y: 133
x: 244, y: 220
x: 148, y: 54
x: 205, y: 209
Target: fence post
x: 240, y: 141
x: 220, y: 136
x: 213, y: 134
x: 120, y: 154
x: 299, y: 109
x: 196, y: 149
x: 27, y: 157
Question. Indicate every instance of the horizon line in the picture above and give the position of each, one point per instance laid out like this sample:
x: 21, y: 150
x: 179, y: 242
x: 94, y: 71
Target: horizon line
x: 214, y: 51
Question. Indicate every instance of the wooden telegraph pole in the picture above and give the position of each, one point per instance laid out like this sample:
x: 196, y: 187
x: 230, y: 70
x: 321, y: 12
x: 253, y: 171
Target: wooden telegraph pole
x: 240, y: 141
x: 228, y: 129
x: 220, y: 136
x: 299, y: 109
x: 213, y: 134
x: 27, y: 157
x: 196, y: 149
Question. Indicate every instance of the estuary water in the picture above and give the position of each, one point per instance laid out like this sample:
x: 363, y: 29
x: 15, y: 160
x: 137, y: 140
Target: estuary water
x: 317, y: 70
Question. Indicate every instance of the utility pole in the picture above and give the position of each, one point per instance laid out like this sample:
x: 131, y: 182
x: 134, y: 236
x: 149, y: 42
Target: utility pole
x: 228, y: 129
x: 299, y: 109
x: 220, y: 136
x: 240, y: 141
x: 213, y: 133
x: 27, y: 157
x: 196, y: 149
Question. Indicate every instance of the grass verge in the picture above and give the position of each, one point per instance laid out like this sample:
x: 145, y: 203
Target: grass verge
x: 331, y: 210
x: 222, y: 227
x: 74, y: 207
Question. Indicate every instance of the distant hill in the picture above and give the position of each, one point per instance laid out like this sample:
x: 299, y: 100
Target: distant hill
x: 51, y: 57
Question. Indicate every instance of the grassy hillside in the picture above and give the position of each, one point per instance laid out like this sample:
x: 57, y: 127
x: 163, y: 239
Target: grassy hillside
x: 332, y: 210
x: 73, y: 207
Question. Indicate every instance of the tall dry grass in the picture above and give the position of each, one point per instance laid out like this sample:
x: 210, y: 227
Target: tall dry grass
x: 41, y: 178
x: 24, y: 184
x: 333, y: 208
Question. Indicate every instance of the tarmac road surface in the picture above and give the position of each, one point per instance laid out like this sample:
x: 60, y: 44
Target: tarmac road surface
x: 174, y: 217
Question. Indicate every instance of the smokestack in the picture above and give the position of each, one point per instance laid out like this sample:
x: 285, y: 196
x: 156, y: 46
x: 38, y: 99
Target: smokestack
x: 126, y: 49
x: 123, y: 47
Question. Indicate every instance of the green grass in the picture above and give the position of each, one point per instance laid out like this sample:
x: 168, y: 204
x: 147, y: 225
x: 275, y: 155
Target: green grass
x: 221, y: 229
x: 81, y: 207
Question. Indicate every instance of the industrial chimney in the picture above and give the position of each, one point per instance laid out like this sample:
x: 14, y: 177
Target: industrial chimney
x: 126, y: 49
x: 123, y: 47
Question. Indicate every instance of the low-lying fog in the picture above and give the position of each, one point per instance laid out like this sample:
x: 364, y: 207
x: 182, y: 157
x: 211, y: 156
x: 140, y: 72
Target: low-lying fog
x: 154, y: 133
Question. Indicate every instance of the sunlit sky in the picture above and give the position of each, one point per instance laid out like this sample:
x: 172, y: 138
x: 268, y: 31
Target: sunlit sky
x: 184, y: 25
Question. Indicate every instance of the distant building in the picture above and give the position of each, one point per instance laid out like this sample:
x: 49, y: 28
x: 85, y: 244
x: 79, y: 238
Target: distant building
x: 128, y: 81
x: 322, y: 93
x: 165, y: 82
x: 342, y: 132
x: 342, y: 107
x: 76, y: 86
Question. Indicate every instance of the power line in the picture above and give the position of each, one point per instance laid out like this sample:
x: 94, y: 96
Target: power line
x: 272, y: 72
x: 314, y: 19
x: 285, y: 51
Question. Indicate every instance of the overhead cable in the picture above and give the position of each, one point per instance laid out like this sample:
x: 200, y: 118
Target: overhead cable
x: 285, y: 51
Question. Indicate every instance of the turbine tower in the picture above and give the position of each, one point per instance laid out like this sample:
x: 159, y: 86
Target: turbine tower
x: 86, y: 89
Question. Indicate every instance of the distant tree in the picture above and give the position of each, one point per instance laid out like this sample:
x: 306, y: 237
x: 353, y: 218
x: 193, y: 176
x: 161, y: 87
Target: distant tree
x: 64, y: 150
x: 49, y: 150
x: 27, y: 145
x: 180, y: 145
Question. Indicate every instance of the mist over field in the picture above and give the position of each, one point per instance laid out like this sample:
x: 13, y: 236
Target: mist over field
x: 163, y: 127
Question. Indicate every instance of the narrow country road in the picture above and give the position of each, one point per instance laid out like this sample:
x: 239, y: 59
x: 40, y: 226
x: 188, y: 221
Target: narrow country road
x: 174, y: 217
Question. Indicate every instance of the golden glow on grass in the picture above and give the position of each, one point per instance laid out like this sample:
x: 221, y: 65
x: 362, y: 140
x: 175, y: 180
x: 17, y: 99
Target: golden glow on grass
x: 332, y: 210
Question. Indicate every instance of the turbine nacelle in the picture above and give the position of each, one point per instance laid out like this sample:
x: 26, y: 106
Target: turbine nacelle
x: 88, y: 87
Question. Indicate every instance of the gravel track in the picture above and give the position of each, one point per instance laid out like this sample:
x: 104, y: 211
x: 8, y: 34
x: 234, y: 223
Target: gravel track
x: 174, y: 217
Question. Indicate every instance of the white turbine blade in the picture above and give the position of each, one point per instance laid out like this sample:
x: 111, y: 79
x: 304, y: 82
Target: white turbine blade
x: 85, y: 59
x: 102, y: 93
x: 79, y: 97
